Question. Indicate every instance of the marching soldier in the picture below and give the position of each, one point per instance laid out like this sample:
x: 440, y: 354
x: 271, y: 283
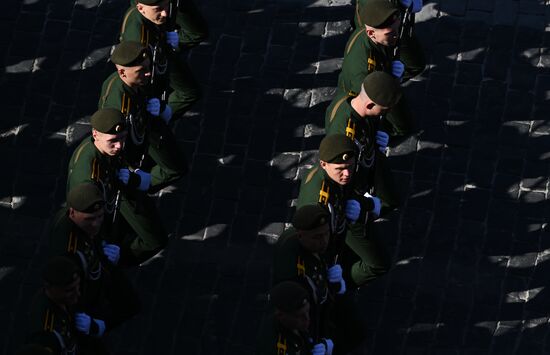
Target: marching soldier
x: 286, y: 329
x: 148, y: 23
x: 299, y: 257
x: 371, y: 48
x: 77, y: 233
x: 358, y: 117
x: 53, y: 322
x: 151, y: 145
x: 330, y: 185
x: 98, y: 160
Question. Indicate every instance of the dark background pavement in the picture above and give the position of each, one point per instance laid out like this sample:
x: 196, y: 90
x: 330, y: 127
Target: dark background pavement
x: 471, y: 244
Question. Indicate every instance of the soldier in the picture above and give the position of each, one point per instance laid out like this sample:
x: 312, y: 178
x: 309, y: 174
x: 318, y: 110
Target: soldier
x: 330, y: 185
x: 190, y: 25
x: 98, y: 160
x: 151, y: 145
x: 286, y: 328
x: 298, y: 257
x: 358, y: 117
x: 77, y: 233
x: 148, y: 23
x: 370, y: 48
x: 53, y: 322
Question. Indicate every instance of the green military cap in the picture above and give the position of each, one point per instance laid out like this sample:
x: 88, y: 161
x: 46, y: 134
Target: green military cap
x: 108, y: 120
x: 382, y: 88
x: 35, y: 349
x: 379, y: 13
x: 309, y: 217
x: 85, y: 198
x: 336, y: 149
x: 60, y: 271
x: 288, y: 296
x: 129, y: 54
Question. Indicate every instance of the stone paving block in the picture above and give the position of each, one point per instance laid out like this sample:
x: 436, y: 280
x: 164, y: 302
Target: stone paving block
x: 497, y: 63
x: 506, y: 12
x: 453, y: 7
x: 469, y: 74
x: 475, y: 204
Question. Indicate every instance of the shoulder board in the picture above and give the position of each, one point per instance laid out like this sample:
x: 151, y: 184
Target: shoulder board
x: 359, y: 22
x: 108, y: 90
x: 353, y: 39
x: 79, y: 151
x: 95, y: 169
x: 48, y: 321
x: 337, y: 106
x: 126, y: 17
x: 310, y: 175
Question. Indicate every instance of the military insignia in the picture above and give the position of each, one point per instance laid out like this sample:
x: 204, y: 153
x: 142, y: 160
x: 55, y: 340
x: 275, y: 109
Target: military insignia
x: 118, y: 128
x: 345, y: 157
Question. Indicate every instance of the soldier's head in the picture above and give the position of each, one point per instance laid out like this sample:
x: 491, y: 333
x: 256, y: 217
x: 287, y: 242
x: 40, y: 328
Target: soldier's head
x: 109, y: 131
x: 155, y: 11
x: 62, y: 280
x: 379, y: 92
x: 86, y: 207
x: 337, y: 158
x: 291, y: 304
x: 382, y: 20
x: 132, y: 63
x: 312, y: 225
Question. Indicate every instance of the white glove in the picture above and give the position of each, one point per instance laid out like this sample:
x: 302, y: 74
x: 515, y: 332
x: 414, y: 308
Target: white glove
x: 382, y: 139
x: 166, y: 115
x: 377, y: 204
x: 319, y: 349
x: 153, y: 106
x: 112, y: 252
x: 397, y: 68
x: 145, y: 180
x: 352, y: 210
x: 417, y: 6
x: 172, y: 39
x: 334, y: 275
x: 330, y: 346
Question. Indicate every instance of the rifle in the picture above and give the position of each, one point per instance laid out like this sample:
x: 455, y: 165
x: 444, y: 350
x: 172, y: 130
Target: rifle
x: 407, y: 22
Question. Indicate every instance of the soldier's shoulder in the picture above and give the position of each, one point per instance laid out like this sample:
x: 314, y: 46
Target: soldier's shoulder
x: 356, y: 42
x: 111, y: 92
x: 84, y: 151
x: 131, y: 25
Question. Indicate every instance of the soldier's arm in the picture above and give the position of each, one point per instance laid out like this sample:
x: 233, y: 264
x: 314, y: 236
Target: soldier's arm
x: 355, y: 66
x: 130, y: 29
x: 83, y: 166
x: 285, y: 258
x: 110, y: 96
x: 309, y: 190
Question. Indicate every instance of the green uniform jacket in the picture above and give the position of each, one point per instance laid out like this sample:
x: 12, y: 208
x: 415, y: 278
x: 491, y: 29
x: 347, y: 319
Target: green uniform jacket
x: 51, y: 326
x: 361, y: 57
x: 145, y: 132
x: 66, y: 239
x: 274, y: 339
x: 88, y: 165
x: 293, y: 262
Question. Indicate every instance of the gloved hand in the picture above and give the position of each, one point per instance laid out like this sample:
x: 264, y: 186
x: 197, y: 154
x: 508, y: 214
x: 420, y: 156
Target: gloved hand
x: 145, y: 181
x: 397, y: 68
x: 172, y: 39
x: 112, y: 252
x: 382, y: 139
x: 83, y: 322
x: 405, y: 3
x: 377, y: 204
x: 334, y: 275
x: 153, y: 106
x: 124, y: 175
x: 330, y: 346
x: 417, y: 6
x: 319, y: 349
x: 166, y: 115
x: 353, y: 208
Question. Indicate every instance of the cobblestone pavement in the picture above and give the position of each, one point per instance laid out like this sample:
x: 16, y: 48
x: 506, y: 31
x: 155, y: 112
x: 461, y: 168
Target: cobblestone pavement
x: 471, y: 244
